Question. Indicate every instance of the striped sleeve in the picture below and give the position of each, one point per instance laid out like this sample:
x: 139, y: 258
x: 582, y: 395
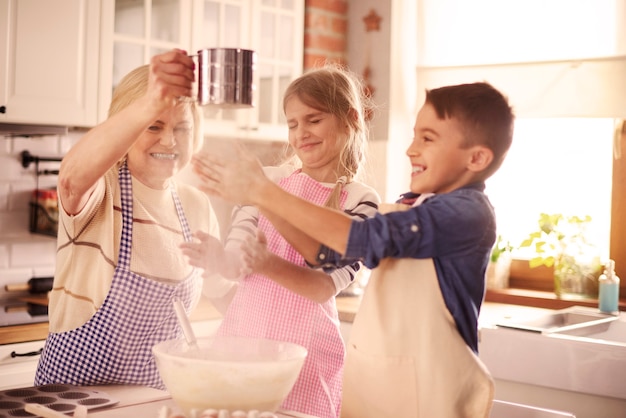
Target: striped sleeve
x: 244, y: 220
x: 362, y: 203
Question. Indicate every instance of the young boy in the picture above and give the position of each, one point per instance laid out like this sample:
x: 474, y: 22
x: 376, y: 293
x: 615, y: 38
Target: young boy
x: 413, y: 345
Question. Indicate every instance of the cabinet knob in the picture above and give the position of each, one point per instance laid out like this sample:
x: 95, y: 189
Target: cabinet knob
x: 3, y: 109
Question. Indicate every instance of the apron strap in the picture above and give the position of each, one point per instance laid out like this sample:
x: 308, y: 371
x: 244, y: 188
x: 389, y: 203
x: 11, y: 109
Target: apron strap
x: 181, y: 214
x: 126, y: 190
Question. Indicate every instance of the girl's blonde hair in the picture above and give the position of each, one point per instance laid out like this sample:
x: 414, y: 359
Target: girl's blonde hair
x: 335, y: 90
x: 135, y: 84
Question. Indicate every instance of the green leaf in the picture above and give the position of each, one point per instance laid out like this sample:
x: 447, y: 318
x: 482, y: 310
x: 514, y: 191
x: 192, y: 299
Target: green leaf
x: 527, y: 242
x: 535, y: 262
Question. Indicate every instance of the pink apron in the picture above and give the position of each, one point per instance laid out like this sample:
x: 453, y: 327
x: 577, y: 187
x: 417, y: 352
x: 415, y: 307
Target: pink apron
x: 264, y: 309
x: 405, y: 357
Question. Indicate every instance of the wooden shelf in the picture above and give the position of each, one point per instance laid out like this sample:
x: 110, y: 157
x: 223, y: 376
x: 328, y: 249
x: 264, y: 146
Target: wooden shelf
x: 540, y: 299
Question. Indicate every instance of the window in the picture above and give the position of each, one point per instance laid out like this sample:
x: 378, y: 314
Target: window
x: 556, y: 166
x: 549, y: 58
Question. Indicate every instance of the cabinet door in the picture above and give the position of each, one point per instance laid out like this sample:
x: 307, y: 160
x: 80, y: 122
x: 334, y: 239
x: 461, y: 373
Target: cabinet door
x: 18, y: 363
x: 135, y: 30
x: 51, y: 68
x: 272, y: 28
x: 280, y: 45
x: 223, y: 24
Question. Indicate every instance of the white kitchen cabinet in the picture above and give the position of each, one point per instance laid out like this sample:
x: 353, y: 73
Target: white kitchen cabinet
x: 49, y: 54
x: 272, y: 28
x: 18, y: 363
x: 132, y: 31
x: 135, y: 30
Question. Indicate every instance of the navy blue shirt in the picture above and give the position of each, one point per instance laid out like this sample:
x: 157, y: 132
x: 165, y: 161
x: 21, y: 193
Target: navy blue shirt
x: 457, y: 230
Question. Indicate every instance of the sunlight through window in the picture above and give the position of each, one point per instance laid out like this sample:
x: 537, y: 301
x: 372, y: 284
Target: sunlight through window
x: 555, y: 166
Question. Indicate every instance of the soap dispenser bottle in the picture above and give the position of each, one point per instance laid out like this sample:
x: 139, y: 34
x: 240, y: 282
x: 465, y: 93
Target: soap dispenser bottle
x: 609, y: 289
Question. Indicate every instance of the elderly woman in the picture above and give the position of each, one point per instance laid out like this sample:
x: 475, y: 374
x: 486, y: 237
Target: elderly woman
x: 123, y: 217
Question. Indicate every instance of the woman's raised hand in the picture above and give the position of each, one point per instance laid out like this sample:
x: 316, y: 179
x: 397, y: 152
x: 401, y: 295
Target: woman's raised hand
x: 171, y: 78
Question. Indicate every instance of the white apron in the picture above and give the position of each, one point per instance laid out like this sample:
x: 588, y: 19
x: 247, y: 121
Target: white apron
x: 405, y: 356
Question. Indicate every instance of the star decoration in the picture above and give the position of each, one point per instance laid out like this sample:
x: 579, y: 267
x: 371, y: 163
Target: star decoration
x: 372, y: 21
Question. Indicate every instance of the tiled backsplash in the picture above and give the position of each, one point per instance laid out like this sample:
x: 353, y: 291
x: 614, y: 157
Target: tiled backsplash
x: 24, y: 255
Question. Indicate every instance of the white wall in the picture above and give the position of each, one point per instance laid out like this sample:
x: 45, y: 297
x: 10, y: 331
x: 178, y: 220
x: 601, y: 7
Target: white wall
x: 391, y: 54
x: 394, y: 53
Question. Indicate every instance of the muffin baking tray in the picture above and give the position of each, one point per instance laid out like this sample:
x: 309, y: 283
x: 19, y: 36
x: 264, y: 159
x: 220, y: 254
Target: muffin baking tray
x: 61, y: 398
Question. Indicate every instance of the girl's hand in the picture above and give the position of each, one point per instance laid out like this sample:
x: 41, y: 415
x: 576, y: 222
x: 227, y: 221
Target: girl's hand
x: 206, y: 252
x: 255, y: 255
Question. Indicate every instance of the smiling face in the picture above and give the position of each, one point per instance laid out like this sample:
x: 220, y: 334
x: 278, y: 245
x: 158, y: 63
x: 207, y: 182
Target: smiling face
x: 440, y: 162
x: 164, y: 148
x: 316, y: 138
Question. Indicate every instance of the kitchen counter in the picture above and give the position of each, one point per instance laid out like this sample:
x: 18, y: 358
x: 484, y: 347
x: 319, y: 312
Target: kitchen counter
x: 347, y: 307
x: 490, y: 312
x: 139, y: 401
x: 22, y: 333
x: 205, y: 311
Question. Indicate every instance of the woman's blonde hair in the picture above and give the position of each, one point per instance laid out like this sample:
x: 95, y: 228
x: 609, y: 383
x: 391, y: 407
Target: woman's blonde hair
x: 135, y: 84
x: 335, y: 90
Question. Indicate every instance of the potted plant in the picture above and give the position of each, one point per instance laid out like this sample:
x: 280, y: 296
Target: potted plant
x: 561, y: 243
x: 499, y: 267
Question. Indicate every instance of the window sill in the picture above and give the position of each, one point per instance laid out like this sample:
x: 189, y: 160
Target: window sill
x: 535, y: 287
x: 539, y: 299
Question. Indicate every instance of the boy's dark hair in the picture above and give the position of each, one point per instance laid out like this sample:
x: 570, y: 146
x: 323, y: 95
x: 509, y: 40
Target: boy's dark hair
x: 485, y: 114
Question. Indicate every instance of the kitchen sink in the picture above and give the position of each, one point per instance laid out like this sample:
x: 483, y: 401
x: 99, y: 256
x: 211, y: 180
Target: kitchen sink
x: 560, y: 320
x: 612, y: 332
x: 578, y: 349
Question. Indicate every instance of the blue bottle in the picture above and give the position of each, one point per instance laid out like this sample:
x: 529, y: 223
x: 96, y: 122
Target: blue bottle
x: 609, y: 289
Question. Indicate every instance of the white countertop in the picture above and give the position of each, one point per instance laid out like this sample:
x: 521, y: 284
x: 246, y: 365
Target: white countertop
x: 491, y: 313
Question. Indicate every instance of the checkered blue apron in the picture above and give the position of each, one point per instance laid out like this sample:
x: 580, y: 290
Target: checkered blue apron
x: 114, y: 346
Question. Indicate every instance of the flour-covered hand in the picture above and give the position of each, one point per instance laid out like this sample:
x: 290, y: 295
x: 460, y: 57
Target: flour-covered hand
x: 235, y: 178
x: 255, y: 255
x: 205, y: 252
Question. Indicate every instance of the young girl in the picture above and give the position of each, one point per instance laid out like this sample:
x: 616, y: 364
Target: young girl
x: 282, y: 298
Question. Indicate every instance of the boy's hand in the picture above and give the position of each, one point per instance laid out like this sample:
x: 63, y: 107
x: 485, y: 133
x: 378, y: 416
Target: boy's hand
x: 237, y: 179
